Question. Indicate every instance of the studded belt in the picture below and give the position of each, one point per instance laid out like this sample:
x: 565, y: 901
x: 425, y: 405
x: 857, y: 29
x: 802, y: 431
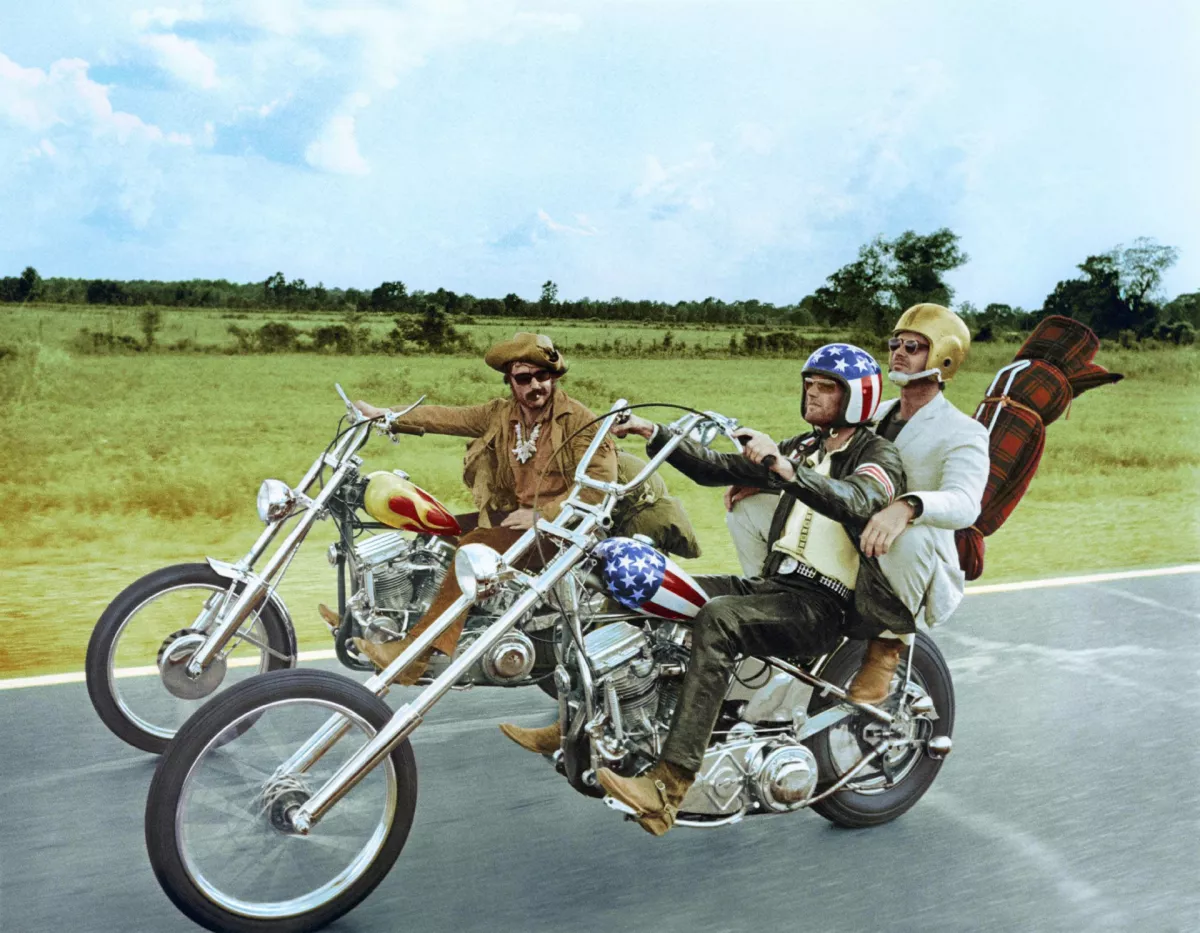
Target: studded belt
x: 790, y: 566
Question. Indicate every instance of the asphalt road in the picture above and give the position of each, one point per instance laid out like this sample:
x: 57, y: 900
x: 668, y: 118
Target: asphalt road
x: 1070, y: 804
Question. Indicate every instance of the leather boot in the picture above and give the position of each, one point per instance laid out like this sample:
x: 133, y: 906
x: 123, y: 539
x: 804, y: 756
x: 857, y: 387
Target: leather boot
x: 873, y: 682
x: 544, y: 740
x: 330, y: 617
x: 382, y: 655
x: 655, y: 795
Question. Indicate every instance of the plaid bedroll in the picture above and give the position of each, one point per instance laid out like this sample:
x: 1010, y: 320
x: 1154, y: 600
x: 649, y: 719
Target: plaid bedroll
x: 1053, y: 366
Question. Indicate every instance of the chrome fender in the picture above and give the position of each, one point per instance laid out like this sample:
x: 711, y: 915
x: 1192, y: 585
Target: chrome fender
x: 233, y: 572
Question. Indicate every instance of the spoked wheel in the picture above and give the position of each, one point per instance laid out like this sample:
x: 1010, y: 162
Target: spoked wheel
x: 152, y: 629
x: 219, y: 829
x: 895, y: 781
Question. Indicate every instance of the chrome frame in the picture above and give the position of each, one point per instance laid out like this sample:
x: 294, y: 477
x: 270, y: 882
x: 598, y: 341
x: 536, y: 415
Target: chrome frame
x: 574, y: 528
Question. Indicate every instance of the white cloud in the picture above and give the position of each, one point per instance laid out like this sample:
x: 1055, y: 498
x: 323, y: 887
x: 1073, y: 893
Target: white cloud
x: 38, y: 101
x: 182, y: 58
x: 166, y: 17
x: 398, y: 40
x: 582, y: 228
x: 336, y: 149
x: 687, y: 184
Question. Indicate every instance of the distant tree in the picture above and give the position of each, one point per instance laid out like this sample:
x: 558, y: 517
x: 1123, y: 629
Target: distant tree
x: 514, y: 305
x: 549, y: 297
x: 30, y: 287
x: 920, y: 262
x: 1140, y: 269
x: 151, y: 321
x: 275, y: 289
x: 106, y: 292
x: 1184, y: 307
x: 1117, y: 290
x: 887, y: 277
x: 431, y: 331
x: 389, y: 298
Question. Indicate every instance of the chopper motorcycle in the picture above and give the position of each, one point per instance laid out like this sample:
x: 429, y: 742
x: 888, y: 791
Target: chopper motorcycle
x: 285, y: 800
x: 200, y: 627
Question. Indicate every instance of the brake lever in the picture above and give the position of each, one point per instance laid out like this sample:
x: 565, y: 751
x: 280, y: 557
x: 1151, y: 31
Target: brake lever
x: 354, y: 412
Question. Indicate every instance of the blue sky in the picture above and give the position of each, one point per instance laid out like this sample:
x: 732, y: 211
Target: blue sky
x: 648, y: 149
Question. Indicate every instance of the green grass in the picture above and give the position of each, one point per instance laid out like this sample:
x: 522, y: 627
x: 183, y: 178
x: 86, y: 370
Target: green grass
x: 57, y: 325
x: 114, y: 466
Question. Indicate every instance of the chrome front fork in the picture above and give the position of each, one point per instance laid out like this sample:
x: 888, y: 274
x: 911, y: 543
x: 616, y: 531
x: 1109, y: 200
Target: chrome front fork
x: 406, y: 719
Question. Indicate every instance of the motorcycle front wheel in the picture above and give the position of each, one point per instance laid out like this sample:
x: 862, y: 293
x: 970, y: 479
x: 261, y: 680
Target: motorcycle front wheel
x: 136, y: 655
x: 218, y: 814
x: 887, y: 789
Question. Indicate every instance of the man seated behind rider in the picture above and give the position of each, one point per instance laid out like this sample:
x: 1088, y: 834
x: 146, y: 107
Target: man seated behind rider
x: 519, y: 460
x: 813, y: 577
x: 945, y: 456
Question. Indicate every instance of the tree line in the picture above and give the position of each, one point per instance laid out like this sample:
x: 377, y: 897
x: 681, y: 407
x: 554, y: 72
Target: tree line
x: 1118, y: 294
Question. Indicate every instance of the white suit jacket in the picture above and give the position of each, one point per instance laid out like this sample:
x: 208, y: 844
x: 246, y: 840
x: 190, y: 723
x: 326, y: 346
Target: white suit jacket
x: 945, y: 456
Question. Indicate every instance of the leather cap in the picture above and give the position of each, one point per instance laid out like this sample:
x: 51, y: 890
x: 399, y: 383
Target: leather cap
x: 534, y: 349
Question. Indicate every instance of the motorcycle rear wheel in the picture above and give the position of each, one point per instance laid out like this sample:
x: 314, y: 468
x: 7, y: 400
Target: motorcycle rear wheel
x: 217, y: 823
x: 142, y: 621
x: 868, y: 801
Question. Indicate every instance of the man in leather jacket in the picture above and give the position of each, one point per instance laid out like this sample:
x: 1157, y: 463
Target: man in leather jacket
x: 813, y: 578
x: 519, y: 458
x: 945, y: 456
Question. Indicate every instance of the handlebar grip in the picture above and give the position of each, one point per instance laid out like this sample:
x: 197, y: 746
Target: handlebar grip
x: 412, y: 429
x: 769, y: 461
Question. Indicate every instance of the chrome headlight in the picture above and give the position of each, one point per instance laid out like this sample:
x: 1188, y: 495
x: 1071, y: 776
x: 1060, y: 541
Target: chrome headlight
x: 477, y: 568
x: 275, y: 500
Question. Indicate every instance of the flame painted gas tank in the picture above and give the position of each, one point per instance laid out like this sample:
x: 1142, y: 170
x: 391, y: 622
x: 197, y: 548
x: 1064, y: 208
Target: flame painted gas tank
x: 401, y: 504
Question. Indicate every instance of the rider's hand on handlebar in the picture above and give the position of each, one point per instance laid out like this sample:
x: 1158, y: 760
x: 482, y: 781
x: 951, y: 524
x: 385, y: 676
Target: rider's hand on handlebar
x: 368, y: 410
x: 633, y: 425
x: 758, y: 447
x: 520, y: 520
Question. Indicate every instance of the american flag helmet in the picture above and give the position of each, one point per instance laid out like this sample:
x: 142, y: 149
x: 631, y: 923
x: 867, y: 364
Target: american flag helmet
x: 858, y: 374
x: 642, y: 579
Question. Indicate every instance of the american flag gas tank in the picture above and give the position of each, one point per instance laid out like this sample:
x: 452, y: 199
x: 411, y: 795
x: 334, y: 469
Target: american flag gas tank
x: 642, y: 579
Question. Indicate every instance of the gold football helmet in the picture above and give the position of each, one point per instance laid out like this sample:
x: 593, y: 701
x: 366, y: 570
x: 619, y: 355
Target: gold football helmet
x: 949, y: 339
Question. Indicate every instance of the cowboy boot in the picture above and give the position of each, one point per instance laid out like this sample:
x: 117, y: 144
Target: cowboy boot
x: 544, y: 740
x: 655, y: 796
x: 873, y: 682
x: 381, y: 655
x: 330, y: 617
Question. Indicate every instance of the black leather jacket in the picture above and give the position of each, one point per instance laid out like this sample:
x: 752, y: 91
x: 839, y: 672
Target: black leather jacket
x: 843, y: 496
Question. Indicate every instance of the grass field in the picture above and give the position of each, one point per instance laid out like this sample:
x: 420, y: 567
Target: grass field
x: 57, y: 325
x: 114, y: 466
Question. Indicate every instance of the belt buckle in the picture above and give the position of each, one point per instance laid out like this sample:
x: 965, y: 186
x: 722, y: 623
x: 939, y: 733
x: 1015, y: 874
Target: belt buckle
x: 788, y: 565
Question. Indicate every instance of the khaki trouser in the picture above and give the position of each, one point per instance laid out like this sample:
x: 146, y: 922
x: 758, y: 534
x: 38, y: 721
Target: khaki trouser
x: 749, y: 524
x: 500, y: 539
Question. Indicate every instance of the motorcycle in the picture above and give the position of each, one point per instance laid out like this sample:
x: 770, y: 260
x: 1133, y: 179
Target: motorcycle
x: 201, y: 627
x: 284, y: 801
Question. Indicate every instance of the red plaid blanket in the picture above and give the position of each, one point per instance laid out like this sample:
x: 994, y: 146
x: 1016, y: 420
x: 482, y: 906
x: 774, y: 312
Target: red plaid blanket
x: 1053, y: 366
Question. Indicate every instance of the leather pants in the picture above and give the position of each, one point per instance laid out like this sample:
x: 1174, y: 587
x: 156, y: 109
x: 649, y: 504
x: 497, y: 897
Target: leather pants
x: 788, y: 616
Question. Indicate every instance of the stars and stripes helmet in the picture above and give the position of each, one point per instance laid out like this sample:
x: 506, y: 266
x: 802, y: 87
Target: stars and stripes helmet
x: 859, y: 376
x: 642, y: 579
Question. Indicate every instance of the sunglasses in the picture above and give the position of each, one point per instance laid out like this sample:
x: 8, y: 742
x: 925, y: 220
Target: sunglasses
x: 910, y: 346
x: 523, y: 379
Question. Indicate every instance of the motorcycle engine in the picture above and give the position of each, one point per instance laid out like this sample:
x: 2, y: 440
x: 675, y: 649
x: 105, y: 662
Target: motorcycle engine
x: 399, y: 577
x: 623, y: 663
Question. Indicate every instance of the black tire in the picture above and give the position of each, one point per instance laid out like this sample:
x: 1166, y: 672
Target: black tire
x: 856, y: 810
x: 200, y: 733
x: 280, y: 639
